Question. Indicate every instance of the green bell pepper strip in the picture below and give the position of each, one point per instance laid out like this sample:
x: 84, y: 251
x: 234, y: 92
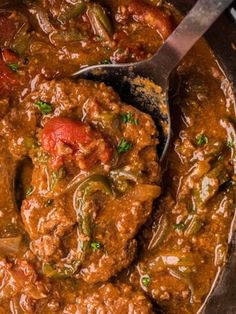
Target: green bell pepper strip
x: 72, y: 11
x: 121, y: 179
x: 21, y: 39
x: 160, y: 233
x: 99, y: 20
x: 209, y: 184
x: 194, y: 226
x: 81, y: 198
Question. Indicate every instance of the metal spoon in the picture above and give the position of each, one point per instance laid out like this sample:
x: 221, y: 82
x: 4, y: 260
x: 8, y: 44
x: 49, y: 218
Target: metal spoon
x: 145, y: 84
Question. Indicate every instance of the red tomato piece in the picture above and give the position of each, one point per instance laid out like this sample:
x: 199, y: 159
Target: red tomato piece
x: 64, y: 138
x: 9, y: 56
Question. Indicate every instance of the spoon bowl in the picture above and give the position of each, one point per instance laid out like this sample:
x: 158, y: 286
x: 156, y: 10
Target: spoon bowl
x: 132, y: 82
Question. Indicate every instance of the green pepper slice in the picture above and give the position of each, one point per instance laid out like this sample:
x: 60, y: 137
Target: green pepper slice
x: 99, y: 20
x: 81, y: 197
x: 160, y: 233
x: 210, y: 183
x: 72, y: 11
x: 122, y: 178
x: 21, y: 39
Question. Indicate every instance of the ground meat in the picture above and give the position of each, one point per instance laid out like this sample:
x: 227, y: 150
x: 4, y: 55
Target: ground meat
x: 111, y: 299
x: 46, y: 225
x: 16, y: 127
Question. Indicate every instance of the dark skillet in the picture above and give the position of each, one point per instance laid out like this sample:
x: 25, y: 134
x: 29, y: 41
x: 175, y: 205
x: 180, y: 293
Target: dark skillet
x: 222, y: 39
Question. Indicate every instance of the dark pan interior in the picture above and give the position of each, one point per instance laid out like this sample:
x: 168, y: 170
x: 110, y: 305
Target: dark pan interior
x: 222, y: 39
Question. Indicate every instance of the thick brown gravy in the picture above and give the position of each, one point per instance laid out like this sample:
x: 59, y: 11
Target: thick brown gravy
x: 90, y: 221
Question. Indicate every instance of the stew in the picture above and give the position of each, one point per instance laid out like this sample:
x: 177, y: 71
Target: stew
x: 90, y: 220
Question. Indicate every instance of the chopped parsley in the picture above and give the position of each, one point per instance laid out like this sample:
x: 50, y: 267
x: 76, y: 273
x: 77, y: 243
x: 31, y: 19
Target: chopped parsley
x: 201, y: 139
x: 128, y: 118
x: 179, y: 226
x: 106, y: 61
x: 49, y: 202
x: 95, y: 245
x: 124, y: 146
x: 146, y: 280
x: 29, y: 190
x: 44, y: 107
x: 13, y: 66
x: 230, y: 144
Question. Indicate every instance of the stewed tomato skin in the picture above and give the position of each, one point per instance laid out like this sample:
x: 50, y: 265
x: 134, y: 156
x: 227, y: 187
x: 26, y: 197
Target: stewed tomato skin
x: 65, y: 138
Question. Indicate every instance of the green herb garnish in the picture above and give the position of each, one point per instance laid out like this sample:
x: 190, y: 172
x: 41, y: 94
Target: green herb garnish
x: 29, y: 190
x: 128, y: 118
x: 146, y: 281
x: 13, y: 66
x: 95, y: 245
x: 49, y: 202
x: 44, y: 107
x: 124, y: 146
x: 201, y: 139
x: 106, y: 61
x: 230, y: 144
x: 179, y: 226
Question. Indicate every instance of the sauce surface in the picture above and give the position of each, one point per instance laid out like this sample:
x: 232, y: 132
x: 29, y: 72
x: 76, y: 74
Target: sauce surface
x: 90, y: 221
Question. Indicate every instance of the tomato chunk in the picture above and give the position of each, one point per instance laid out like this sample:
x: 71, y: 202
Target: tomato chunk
x: 66, y: 139
x: 9, y: 56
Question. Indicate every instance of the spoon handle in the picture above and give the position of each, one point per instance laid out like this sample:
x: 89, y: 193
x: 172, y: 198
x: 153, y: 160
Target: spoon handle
x: 192, y: 27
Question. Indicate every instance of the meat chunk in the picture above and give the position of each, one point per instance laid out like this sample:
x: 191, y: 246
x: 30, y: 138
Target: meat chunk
x: 147, y: 14
x: 46, y: 225
x: 67, y: 138
x: 82, y: 221
x: 19, y: 281
x: 16, y: 127
x: 111, y: 299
